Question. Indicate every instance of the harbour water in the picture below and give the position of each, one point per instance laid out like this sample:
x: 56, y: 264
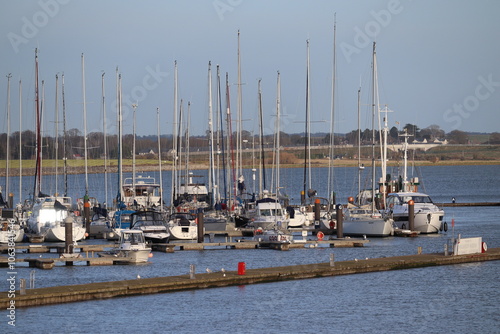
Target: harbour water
x: 459, y: 298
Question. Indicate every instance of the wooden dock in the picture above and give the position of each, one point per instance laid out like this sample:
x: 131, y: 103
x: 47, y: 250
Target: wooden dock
x: 91, y: 291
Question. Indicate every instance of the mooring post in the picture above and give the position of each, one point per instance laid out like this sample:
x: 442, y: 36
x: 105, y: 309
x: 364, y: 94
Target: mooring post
x: 11, y: 200
x: 86, y: 213
x: 411, y: 215
x: 340, y: 221
x: 332, y: 260
x: 199, y: 218
x: 68, y: 234
x: 317, y: 213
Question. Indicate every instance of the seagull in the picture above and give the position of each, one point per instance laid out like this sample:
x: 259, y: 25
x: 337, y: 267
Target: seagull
x: 356, y: 260
x: 209, y: 270
x: 364, y: 236
x: 138, y: 276
x: 223, y: 272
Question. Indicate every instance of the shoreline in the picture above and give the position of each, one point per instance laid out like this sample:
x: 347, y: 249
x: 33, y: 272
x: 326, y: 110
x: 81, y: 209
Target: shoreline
x: 97, y: 168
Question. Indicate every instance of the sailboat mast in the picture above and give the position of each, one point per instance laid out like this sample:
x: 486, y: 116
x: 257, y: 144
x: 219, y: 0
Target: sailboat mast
x: 230, y: 137
x: 307, y: 145
x: 175, y: 153
x: 57, y: 132
x: 20, y: 140
x: 188, y: 125
x: 7, y: 173
x: 159, y: 158
x: 262, y: 171
x: 374, y: 92
x: 85, y: 127
x: 359, y: 146
x: 211, y: 167
x: 120, y: 150
x: 37, y: 188
x: 239, y: 128
x: 105, y: 141
x: 221, y: 119
x: 65, y: 158
x: 134, y: 106
x: 278, y: 134
x: 331, y: 192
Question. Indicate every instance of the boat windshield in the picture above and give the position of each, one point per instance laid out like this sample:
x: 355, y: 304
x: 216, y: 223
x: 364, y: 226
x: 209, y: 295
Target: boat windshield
x: 270, y: 212
x: 417, y: 199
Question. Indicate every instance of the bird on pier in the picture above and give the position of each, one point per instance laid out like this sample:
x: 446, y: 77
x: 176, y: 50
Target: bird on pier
x: 223, y: 272
x: 209, y: 270
x: 138, y: 276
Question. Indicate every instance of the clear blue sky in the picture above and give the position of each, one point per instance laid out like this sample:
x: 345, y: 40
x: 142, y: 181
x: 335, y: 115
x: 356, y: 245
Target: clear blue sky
x: 438, y: 60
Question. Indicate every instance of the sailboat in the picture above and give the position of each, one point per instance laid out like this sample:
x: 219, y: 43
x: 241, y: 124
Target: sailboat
x: 49, y: 212
x: 365, y: 220
x: 10, y: 229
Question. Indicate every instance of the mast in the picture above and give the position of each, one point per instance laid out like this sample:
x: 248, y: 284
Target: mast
x: 221, y: 119
x: 65, y: 158
x: 374, y: 92
x: 360, y: 168
x: 159, y: 158
x: 173, y: 194
x: 307, y: 145
x: 262, y: 171
x: 36, y: 189
x: 57, y: 132
x: 331, y: 192
x: 230, y: 139
x: 188, y: 125
x: 211, y: 167
x: 134, y: 106
x: 105, y: 142
x: 239, y: 127
x: 85, y: 127
x: 7, y: 174
x: 120, y: 150
x: 20, y: 140
x: 278, y: 134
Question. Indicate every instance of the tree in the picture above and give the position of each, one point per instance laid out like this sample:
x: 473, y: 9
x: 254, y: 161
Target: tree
x: 457, y: 137
x: 494, y: 138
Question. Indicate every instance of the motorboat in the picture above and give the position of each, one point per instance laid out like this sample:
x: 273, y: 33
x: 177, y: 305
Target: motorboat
x: 152, y: 224
x: 272, y: 236
x: 141, y: 192
x: 182, y: 226
x: 428, y: 217
x: 132, y: 248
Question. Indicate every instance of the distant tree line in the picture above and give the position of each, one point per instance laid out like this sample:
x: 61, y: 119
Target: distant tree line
x: 145, y: 145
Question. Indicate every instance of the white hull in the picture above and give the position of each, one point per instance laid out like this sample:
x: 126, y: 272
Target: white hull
x: 183, y: 232
x: 133, y: 248
x: 272, y: 236
x: 58, y: 233
x: 358, y: 222
x: 425, y: 223
x: 16, y: 235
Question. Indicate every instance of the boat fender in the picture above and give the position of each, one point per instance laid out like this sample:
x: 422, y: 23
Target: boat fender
x: 320, y: 235
x: 332, y: 225
x: 445, y: 226
x: 77, y: 213
x: 484, y: 248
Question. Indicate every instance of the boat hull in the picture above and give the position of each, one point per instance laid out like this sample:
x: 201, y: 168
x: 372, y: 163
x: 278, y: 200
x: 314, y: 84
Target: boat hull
x: 375, y: 227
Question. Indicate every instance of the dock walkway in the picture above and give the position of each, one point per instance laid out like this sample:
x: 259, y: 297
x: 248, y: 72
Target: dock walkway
x: 91, y: 291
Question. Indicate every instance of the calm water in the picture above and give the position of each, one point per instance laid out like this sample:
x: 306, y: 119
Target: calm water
x: 461, y: 298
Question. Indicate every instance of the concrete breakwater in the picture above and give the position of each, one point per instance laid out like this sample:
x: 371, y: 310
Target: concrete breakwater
x: 91, y: 291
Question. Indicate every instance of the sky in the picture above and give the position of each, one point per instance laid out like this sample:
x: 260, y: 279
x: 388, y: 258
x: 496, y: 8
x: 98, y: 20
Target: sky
x: 438, y: 61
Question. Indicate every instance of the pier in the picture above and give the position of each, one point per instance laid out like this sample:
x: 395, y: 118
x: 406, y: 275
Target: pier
x: 91, y: 291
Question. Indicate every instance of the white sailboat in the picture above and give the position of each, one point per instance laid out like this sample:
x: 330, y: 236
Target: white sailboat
x: 365, y: 220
